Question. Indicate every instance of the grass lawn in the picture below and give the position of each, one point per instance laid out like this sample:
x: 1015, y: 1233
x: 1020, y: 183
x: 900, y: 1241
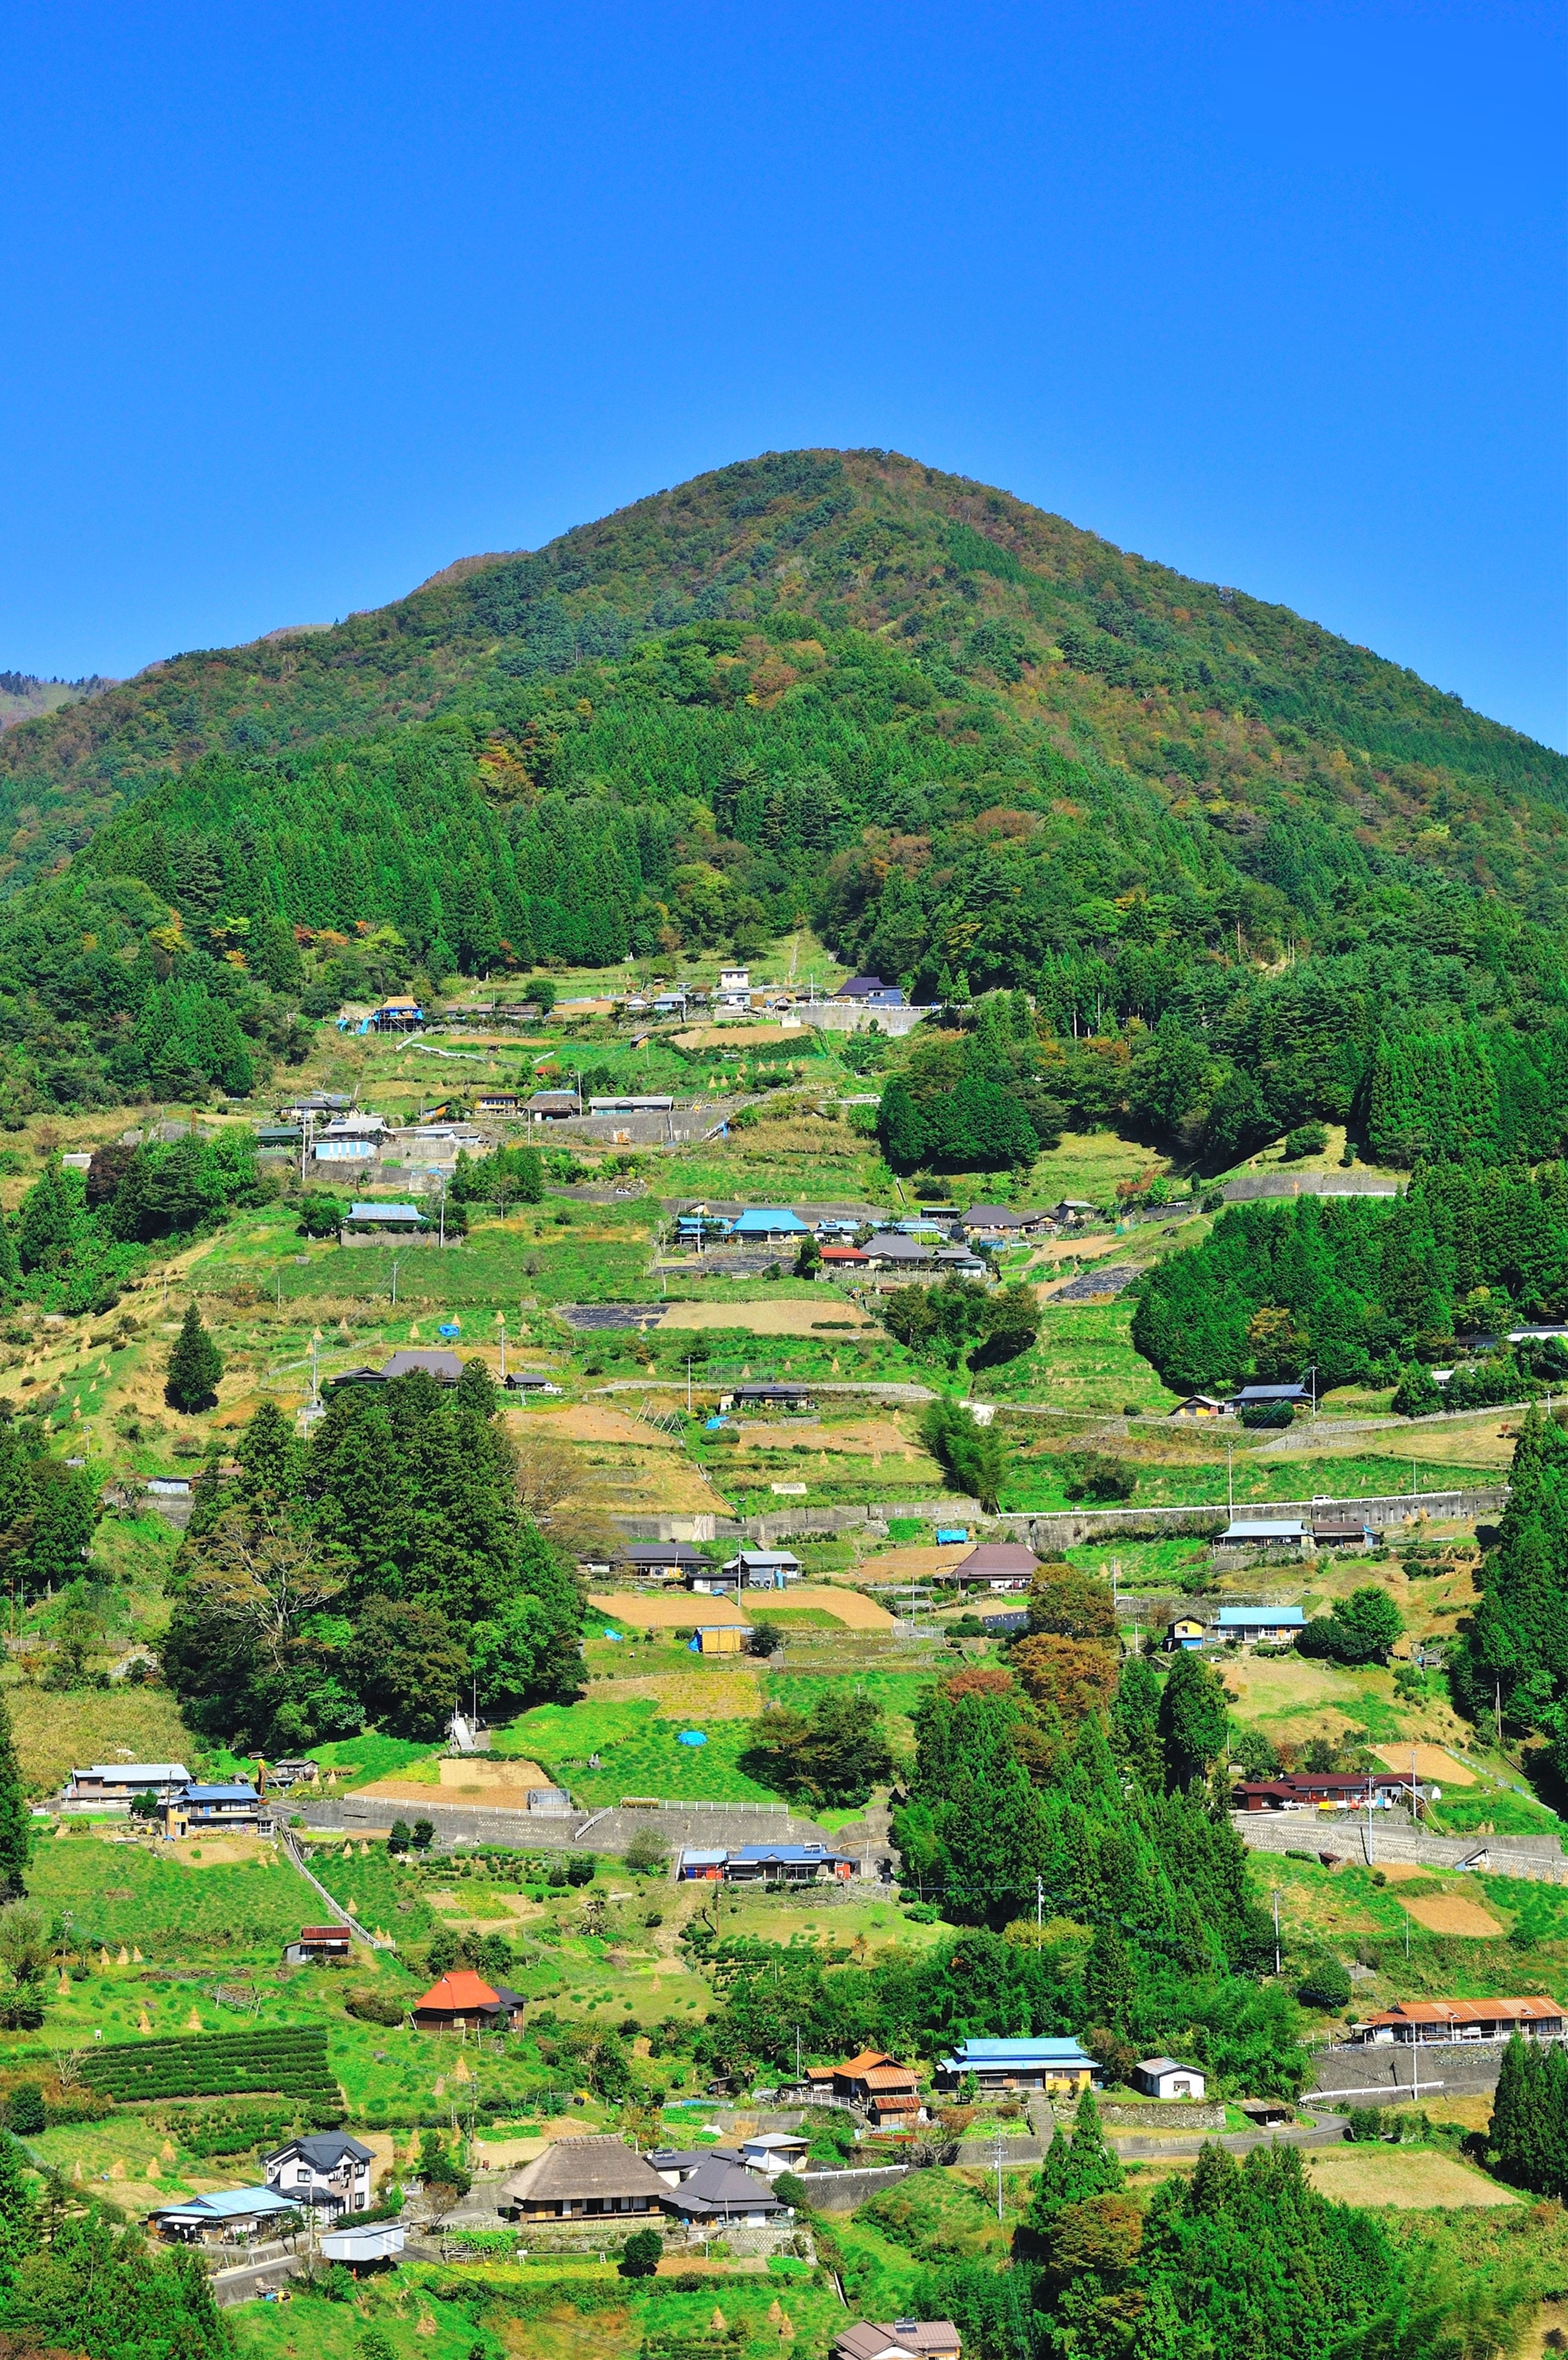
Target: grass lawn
x: 1414, y: 2179
x: 638, y: 1753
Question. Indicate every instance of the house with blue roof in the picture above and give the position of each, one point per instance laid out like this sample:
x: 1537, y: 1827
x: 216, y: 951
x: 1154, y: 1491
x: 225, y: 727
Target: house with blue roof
x: 760, y: 1222
x: 228, y: 2216
x: 1060, y: 2066
x: 1244, y: 1625
x: 231, y: 1810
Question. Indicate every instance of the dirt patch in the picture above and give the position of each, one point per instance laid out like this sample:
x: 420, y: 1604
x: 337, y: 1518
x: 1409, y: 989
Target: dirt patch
x: 590, y: 1422
x: 786, y: 1318
x: 872, y: 1437
x: 219, y: 1851
x: 656, y: 1613
x: 1412, y: 2179
x: 743, y: 1036
x: 1432, y: 1761
x: 1448, y: 1913
x: 913, y: 1564
x: 1401, y: 1872
x: 1472, y: 2109
x: 470, y: 1778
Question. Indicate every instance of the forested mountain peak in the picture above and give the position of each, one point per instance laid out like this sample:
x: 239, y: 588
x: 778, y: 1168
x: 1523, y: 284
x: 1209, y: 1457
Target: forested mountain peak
x: 1250, y: 873
x: 1237, y: 712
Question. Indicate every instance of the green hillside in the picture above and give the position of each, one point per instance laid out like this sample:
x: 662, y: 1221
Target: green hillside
x: 974, y: 744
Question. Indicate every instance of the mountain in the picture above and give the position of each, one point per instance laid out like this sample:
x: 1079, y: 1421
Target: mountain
x: 978, y: 746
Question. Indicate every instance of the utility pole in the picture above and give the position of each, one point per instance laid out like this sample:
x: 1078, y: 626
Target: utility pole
x: 1230, y: 1478
x: 1039, y: 1903
x: 1276, y: 1933
x: 394, y: 1281
x: 502, y: 1317
x: 998, y: 2175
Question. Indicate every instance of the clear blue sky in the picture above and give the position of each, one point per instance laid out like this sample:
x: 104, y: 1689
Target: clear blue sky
x: 300, y: 303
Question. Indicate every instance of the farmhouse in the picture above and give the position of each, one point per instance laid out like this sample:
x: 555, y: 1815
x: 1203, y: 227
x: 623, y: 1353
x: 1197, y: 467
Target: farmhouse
x: 1421, y: 2022
x: 759, y: 1223
x: 1340, y: 1532
x: 444, y: 1367
x: 1261, y: 1532
x: 1304, y: 1790
x: 761, y: 1569
x: 583, y: 2177
x: 1185, y: 1634
x: 1163, y: 2076
x: 888, y: 2090
x: 328, y: 2168
x: 995, y: 1565
x: 318, y: 1942
x: 1295, y: 1396
x: 463, y: 1998
x: 552, y: 1106
x: 779, y: 1396
x: 109, y: 1786
x: 719, y: 2188
x: 1020, y: 2065
x: 870, y: 992
x: 906, y: 2339
x: 1273, y: 1624
x: 209, y: 1811
x: 647, y: 1560
x: 761, y: 1864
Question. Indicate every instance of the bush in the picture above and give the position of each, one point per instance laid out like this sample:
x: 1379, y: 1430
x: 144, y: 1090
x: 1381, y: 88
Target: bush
x: 1267, y: 1414
x: 1324, y: 1985
x: 1095, y: 1475
x: 641, y: 2254
x: 791, y: 2189
x: 24, y: 2110
x: 375, y: 2008
x: 1307, y: 1138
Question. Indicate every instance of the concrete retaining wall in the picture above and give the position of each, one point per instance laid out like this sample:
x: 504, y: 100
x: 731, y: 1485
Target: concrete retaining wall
x: 1539, y: 1858
x: 1370, y: 2076
x: 840, y: 2191
x: 677, y: 1824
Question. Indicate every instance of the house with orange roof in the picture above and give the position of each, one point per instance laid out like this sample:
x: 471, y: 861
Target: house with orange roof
x: 461, y: 1999
x: 887, y: 2091
x: 1425, y: 2022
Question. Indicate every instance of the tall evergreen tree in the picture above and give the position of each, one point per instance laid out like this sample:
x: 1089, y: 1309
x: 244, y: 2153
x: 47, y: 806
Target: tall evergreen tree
x: 195, y: 1366
x: 1191, y: 1721
x: 15, y: 1823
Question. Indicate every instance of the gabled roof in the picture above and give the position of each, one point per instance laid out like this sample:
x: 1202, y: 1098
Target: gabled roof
x: 994, y: 1558
x: 385, y: 1212
x: 445, y: 1367
x: 719, y: 2186
x: 574, y: 2168
x: 868, y: 2340
x: 130, y: 1773
x: 226, y: 2204
x: 324, y: 2150
x: 235, y: 1794
x: 1470, y: 2011
x: 981, y: 2053
x: 1234, y: 1618
x: 459, y: 1990
x: 1164, y: 2065
x: 1262, y: 1528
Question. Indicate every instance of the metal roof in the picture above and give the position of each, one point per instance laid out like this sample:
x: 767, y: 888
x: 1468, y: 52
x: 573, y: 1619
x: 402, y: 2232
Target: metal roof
x: 227, y: 2204
x: 1232, y: 1618
x: 1018, y: 2052
x: 385, y: 1213
x: 1257, y: 1528
x: 231, y: 1794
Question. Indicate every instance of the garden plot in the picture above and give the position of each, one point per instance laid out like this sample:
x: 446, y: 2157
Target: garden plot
x: 1432, y: 1761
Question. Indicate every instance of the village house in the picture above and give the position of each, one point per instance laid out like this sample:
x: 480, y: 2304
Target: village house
x: 771, y: 2152
x: 771, y: 1396
x: 1245, y: 1625
x: 719, y: 2190
x: 552, y: 1106
x: 1263, y: 1532
x: 1203, y: 1405
x: 766, y: 1863
x: 888, y: 2091
x: 1343, y: 1790
x: 1295, y: 1396
x: 326, y: 2169
x: 1340, y: 1532
x: 904, y: 2339
x: 582, y: 2178
x: 368, y: 1223
x: 999, y: 1566
x: 750, y: 1569
x: 655, y: 1560
x: 999, y: 2065
x: 870, y: 992
x: 319, y: 1942
x: 231, y: 1810
x: 460, y: 2000
x: 1184, y: 1633
x: 110, y: 1785
x: 1426, y: 2022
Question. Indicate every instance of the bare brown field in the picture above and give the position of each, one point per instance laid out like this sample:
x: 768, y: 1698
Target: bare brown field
x: 596, y: 1422
x: 1449, y: 1913
x: 658, y: 1613
x: 1430, y: 1761
x: 790, y: 1317
x: 708, y: 1693
x: 912, y: 1563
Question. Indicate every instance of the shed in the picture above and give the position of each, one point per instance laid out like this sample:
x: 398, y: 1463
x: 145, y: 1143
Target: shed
x: 319, y: 1942
x: 719, y: 1639
x: 1340, y: 1532
x: 381, y: 2242
x: 702, y: 1866
x: 227, y: 2216
x: 1203, y: 1405
x: 1163, y: 2077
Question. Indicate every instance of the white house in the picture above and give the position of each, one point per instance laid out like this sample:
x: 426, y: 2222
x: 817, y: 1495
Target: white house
x: 325, y: 2169
x: 1163, y: 2076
